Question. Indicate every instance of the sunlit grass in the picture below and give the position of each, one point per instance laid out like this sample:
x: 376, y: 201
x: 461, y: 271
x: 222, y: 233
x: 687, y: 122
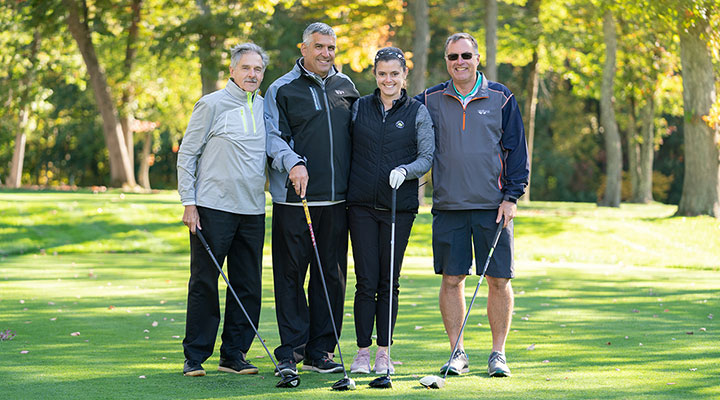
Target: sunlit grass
x: 595, y: 299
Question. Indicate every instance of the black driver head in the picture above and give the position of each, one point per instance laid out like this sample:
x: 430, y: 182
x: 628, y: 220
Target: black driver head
x: 382, y: 382
x: 344, y: 384
x: 289, y: 381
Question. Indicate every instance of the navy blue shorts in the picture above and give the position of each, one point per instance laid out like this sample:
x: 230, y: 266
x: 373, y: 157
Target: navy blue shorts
x: 452, y: 232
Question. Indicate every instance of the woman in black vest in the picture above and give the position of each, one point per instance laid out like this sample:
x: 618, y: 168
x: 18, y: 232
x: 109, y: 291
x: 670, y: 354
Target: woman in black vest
x: 393, y: 143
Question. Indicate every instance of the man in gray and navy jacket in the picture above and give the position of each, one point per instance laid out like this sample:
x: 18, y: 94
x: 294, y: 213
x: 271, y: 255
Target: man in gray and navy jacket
x: 307, y: 118
x: 480, y: 169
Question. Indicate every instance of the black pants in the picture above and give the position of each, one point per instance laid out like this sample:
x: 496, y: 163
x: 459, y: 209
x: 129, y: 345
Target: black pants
x: 370, y: 235
x: 300, y: 321
x: 240, y: 238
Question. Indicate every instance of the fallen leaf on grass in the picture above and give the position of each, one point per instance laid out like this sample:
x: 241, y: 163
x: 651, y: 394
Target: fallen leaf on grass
x: 608, y: 343
x: 703, y: 330
x: 348, y: 315
x: 147, y: 337
x: 141, y: 376
x: 397, y: 363
x: 617, y: 369
x: 75, y: 334
x: 154, y: 324
x: 259, y: 356
x: 52, y: 303
x: 690, y: 333
x: 24, y: 351
x: 176, y: 337
x: 693, y: 369
x: 53, y: 319
x: 111, y: 307
x: 22, y: 301
x: 635, y: 311
x: 547, y: 379
x: 417, y: 327
x: 671, y: 383
x: 146, y: 331
x: 546, y: 361
x: 531, y: 347
x: 710, y: 316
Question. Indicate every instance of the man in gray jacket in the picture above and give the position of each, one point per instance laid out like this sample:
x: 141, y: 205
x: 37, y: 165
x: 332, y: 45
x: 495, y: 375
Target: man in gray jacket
x: 221, y: 181
x: 480, y: 169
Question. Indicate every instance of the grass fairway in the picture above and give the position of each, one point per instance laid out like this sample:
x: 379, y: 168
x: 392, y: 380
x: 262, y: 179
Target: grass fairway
x: 614, y: 303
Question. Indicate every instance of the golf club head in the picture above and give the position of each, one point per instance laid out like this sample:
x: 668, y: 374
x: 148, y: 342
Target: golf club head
x: 382, y: 382
x: 344, y: 384
x: 432, y: 382
x: 289, y: 381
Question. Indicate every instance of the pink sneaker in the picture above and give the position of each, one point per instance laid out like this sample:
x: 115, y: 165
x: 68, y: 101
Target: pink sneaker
x: 382, y: 362
x: 361, y: 362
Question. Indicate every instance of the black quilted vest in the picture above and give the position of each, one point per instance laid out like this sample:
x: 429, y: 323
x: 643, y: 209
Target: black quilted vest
x: 378, y: 147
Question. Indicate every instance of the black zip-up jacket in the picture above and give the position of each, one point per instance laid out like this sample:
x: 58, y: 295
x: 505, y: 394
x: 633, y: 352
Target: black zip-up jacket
x: 380, y: 143
x: 307, y: 119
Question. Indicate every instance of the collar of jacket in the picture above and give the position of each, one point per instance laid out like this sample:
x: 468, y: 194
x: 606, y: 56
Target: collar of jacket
x: 397, y: 103
x: 299, y: 64
x: 481, y: 93
x: 236, y: 91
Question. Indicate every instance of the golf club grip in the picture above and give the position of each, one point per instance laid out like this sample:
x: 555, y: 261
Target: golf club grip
x: 309, y: 222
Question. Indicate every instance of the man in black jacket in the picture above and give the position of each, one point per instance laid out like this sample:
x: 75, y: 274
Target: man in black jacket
x: 307, y: 118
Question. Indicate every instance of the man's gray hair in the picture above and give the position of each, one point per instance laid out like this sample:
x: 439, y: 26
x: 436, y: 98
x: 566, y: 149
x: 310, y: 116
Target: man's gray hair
x: 237, y: 52
x: 318, y: 27
x: 459, y: 36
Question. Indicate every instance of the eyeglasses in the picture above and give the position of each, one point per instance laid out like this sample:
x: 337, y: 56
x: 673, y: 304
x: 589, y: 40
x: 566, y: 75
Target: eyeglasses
x: 454, y: 56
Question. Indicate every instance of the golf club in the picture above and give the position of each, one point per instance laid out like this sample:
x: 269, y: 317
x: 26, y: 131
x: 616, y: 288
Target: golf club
x: 287, y: 381
x: 435, y: 382
x: 345, y: 383
x: 384, y: 382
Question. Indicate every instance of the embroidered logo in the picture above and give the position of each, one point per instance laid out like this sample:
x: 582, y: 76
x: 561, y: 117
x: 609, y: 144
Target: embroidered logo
x: 483, y: 112
x: 400, y: 124
x: 339, y: 92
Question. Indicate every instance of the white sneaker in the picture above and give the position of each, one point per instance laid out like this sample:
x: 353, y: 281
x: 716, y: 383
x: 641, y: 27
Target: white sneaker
x: 383, y: 362
x: 361, y: 362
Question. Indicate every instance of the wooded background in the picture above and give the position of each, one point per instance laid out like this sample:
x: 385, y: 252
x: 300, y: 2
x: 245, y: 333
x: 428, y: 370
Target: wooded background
x: 618, y: 97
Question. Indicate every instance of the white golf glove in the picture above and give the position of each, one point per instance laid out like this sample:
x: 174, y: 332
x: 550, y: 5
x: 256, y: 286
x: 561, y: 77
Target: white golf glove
x: 397, y: 177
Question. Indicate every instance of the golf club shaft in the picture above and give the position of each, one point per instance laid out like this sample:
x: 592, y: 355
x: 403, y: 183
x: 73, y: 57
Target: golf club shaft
x: 212, y: 256
x: 477, y: 287
x: 392, y: 265
x: 322, y: 279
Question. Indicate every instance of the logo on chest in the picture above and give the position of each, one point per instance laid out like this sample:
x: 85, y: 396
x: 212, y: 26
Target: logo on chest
x: 339, y: 92
x: 483, y: 112
x: 399, y: 124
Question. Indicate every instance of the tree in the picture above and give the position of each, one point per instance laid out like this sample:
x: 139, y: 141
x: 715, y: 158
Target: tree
x: 613, y: 146
x: 121, y: 170
x: 491, y: 22
x: 701, y: 186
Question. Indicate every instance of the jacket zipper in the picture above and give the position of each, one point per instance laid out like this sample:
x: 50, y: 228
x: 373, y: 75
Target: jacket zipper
x: 332, y: 152
x: 252, y: 114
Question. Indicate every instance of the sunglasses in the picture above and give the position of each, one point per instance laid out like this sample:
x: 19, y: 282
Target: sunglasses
x: 454, y: 56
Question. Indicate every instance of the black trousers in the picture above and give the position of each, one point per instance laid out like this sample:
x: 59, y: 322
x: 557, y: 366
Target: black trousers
x: 370, y: 235
x: 240, y: 238
x: 300, y: 321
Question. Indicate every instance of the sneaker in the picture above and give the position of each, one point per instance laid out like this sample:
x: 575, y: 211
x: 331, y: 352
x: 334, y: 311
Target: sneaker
x: 323, y: 365
x: 382, y: 362
x: 193, y: 368
x: 497, y: 366
x: 288, y: 367
x: 361, y: 362
x: 237, y: 366
x: 457, y: 365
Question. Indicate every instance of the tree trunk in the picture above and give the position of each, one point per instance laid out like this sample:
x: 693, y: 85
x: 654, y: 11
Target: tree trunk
x: 421, y: 43
x: 121, y: 171
x: 207, y: 44
x: 701, y: 187
x: 23, y: 128
x: 491, y: 16
x: 613, y: 146
x: 128, y: 93
x: 144, y: 169
x: 15, y: 178
x: 647, y: 153
x: 533, y: 7
x: 633, y: 151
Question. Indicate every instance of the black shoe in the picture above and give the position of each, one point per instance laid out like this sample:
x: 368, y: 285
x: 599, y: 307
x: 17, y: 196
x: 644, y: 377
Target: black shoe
x: 193, y: 368
x: 288, y: 367
x: 323, y: 365
x: 237, y: 366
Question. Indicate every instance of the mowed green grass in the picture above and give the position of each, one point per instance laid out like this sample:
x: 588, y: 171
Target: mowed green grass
x: 610, y: 303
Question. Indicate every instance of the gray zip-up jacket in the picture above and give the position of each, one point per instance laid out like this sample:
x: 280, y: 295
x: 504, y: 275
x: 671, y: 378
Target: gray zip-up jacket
x: 221, y: 161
